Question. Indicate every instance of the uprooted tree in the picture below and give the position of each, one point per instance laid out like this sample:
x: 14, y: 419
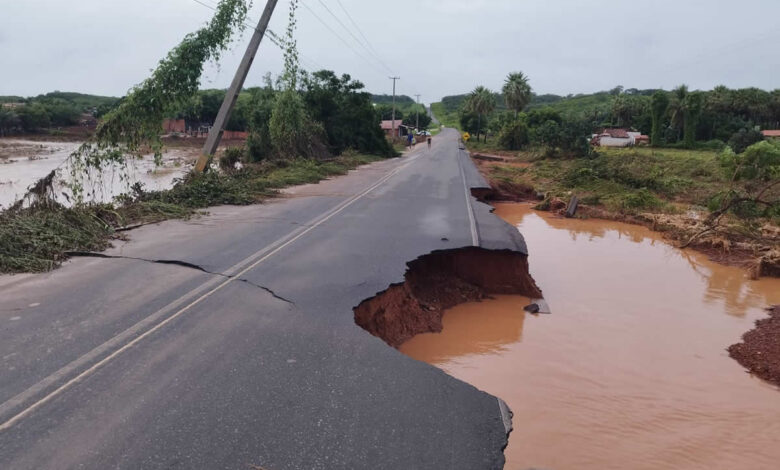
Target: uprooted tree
x: 754, y: 186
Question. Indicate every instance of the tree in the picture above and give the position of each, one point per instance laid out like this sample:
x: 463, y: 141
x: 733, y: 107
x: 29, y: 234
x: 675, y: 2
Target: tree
x: 34, y: 117
x: 386, y: 112
x: 293, y: 133
x: 755, y: 177
x: 744, y: 138
x: 517, y: 92
x: 133, y: 127
x: 481, y: 102
x: 686, y: 108
x: 412, y: 118
x: 659, y: 105
x: 346, y: 112
x: 514, y: 134
x: 9, y: 121
x: 259, y: 142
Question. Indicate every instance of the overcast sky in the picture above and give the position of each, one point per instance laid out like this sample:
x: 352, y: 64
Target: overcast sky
x: 438, y: 47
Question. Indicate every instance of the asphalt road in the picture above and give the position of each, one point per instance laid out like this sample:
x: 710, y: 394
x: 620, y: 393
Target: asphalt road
x: 128, y: 363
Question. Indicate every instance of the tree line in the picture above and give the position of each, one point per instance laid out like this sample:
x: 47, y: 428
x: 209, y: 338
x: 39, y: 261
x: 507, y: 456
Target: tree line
x: 680, y: 117
x: 55, y: 109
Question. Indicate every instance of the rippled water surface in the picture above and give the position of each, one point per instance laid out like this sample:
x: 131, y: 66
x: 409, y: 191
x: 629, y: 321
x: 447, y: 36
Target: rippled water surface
x: 630, y: 371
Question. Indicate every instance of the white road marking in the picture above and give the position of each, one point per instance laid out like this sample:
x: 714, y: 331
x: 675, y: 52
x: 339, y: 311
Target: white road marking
x: 469, y: 206
x: 131, y: 332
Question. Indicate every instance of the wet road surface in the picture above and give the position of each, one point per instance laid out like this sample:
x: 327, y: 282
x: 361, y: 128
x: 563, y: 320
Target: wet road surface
x: 126, y: 363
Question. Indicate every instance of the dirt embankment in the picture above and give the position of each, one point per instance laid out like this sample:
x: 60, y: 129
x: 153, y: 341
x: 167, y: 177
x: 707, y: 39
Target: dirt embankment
x: 759, y: 351
x: 437, y: 282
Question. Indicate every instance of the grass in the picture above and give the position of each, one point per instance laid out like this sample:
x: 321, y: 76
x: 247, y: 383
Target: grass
x: 37, y: 238
x: 448, y: 118
x: 621, y: 180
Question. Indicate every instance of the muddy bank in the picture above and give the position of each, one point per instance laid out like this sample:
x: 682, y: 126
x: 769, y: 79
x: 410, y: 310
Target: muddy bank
x: 437, y: 282
x: 757, y: 252
x: 759, y: 351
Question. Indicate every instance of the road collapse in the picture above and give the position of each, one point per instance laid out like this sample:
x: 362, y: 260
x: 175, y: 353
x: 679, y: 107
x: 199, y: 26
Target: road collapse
x: 439, y: 281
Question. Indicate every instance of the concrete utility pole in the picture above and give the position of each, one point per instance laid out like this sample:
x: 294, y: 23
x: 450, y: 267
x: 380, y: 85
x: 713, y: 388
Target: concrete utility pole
x: 418, y: 112
x: 215, y: 134
x: 393, y: 123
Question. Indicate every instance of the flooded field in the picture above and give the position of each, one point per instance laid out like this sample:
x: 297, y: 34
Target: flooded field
x: 22, y: 163
x: 631, y: 369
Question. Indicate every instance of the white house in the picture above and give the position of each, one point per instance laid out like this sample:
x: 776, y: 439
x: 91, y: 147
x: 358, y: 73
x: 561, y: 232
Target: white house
x: 618, y: 138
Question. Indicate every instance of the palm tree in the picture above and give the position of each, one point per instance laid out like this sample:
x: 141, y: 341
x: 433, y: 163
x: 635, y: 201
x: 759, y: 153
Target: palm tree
x: 481, y: 102
x: 685, y: 108
x: 517, y: 92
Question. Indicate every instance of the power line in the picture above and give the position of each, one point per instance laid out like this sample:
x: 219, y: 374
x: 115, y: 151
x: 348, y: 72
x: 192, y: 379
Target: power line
x: 355, y: 37
x: 340, y: 38
x: 360, y: 31
x: 272, y: 36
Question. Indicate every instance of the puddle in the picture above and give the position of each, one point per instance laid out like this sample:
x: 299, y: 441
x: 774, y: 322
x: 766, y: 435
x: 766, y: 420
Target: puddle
x: 22, y: 163
x: 631, y: 369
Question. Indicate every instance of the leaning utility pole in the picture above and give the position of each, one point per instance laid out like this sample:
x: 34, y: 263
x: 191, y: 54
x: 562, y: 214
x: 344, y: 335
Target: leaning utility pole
x: 417, y: 108
x: 393, y: 122
x: 215, y: 134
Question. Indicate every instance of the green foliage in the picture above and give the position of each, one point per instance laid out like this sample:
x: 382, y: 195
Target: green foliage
x: 480, y: 102
x: 346, y: 113
x: 34, y: 240
x: 517, y: 92
x: 259, y: 142
x: 514, y: 135
x: 659, y: 105
x: 385, y: 112
x: 418, y: 115
x: 135, y: 124
x: 232, y: 156
x: 287, y: 126
x: 755, y: 182
x: 744, y: 138
x: 34, y: 117
x: 448, y: 119
x: 293, y: 133
x: 37, y: 239
x: 632, y: 201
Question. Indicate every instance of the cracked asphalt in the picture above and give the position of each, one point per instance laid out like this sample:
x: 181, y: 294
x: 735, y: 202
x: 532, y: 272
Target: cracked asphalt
x: 228, y: 341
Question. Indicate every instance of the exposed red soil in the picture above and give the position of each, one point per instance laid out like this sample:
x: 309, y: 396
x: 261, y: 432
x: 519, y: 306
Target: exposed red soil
x: 759, y: 351
x: 437, y: 282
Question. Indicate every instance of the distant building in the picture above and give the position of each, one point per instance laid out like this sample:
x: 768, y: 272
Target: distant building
x: 771, y: 134
x: 174, y: 126
x: 618, y: 138
x: 387, y: 127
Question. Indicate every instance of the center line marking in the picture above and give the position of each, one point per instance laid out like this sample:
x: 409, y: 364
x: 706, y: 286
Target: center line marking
x: 264, y: 254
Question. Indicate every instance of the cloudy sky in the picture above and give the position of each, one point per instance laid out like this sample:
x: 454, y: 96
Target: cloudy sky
x: 437, y: 47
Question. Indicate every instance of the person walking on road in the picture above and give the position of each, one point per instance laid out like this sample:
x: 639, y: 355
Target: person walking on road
x: 429, y: 142
x: 409, y: 139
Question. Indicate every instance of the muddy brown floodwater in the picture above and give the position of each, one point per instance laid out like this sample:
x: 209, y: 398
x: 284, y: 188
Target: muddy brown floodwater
x: 631, y: 369
x: 23, y: 163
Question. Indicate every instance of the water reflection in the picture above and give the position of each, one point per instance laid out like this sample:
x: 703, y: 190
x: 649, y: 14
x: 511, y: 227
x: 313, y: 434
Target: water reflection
x: 475, y: 328
x: 725, y: 286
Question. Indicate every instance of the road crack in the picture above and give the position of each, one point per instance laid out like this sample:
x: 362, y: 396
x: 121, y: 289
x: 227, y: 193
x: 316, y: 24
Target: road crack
x: 184, y: 264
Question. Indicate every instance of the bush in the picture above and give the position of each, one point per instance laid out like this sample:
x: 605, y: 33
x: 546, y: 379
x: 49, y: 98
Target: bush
x: 633, y: 201
x: 513, y: 135
x: 232, y: 156
x: 744, y: 138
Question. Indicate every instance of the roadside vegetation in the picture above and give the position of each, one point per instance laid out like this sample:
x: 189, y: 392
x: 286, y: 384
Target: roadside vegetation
x: 303, y: 127
x: 709, y: 180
